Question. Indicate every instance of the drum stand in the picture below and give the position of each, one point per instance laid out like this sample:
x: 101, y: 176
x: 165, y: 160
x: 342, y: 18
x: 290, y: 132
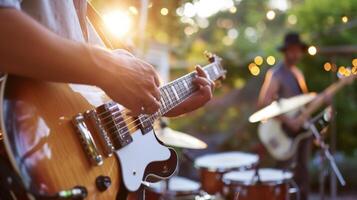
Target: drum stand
x: 325, y: 152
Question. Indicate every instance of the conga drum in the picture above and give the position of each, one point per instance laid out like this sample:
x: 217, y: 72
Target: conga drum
x: 178, y: 188
x: 272, y: 184
x: 213, y: 166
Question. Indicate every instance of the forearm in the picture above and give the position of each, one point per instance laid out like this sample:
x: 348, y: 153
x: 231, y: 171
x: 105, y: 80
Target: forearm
x: 29, y: 49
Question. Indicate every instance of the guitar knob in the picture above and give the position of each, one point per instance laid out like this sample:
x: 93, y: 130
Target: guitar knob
x: 103, y: 183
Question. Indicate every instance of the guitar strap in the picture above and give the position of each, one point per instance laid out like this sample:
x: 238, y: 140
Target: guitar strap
x: 300, y: 80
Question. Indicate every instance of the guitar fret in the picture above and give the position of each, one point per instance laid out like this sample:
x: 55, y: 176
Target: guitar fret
x: 175, y: 92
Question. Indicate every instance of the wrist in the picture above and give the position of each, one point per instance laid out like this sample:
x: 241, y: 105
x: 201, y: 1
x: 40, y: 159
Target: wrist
x: 98, y: 63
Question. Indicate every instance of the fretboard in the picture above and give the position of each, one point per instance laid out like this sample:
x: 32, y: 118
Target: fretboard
x: 177, y: 91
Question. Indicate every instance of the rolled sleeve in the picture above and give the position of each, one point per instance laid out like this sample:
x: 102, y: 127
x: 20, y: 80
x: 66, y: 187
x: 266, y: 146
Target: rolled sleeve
x: 10, y: 4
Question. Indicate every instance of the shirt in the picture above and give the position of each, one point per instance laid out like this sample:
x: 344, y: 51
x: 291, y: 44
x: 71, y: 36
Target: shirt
x: 63, y: 17
x: 288, y: 82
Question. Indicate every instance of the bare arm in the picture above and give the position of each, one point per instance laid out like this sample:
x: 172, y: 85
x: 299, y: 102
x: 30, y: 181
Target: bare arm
x: 269, y: 90
x: 31, y: 50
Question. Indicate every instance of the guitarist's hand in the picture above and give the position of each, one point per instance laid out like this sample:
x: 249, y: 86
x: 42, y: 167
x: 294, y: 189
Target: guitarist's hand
x: 197, y: 99
x: 292, y: 125
x: 129, y: 81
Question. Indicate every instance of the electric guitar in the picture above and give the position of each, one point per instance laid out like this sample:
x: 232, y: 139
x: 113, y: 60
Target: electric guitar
x: 281, y: 144
x: 70, y: 140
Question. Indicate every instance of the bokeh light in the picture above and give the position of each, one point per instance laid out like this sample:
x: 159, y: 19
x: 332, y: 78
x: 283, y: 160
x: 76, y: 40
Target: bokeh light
x: 312, y: 50
x: 271, y: 60
x: 347, y: 72
x: 344, y: 19
x: 164, y: 11
x: 270, y: 15
x: 342, y: 70
x: 354, y: 70
x: 327, y: 66
x: 258, y: 60
x: 118, y: 23
x: 233, y: 9
x: 251, y: 65
x: 255, y: 71
x: 354, y: 62
x: 292, y: 19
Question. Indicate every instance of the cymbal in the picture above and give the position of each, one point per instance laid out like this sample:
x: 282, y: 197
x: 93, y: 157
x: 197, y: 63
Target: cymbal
x: 281, y: 106
x: 174, y: 138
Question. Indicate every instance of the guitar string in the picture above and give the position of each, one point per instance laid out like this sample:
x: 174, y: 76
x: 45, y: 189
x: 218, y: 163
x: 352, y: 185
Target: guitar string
x: 205, y: 67
x: 121, y: 135
x: 114, y: 114
x: 139, y: 117
x: 125, y: 111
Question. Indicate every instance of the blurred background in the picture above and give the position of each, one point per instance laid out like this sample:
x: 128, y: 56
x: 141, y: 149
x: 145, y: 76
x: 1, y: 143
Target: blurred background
x: 173, y: 34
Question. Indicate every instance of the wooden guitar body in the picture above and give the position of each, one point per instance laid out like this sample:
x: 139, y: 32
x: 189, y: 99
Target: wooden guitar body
x: 45, y: 148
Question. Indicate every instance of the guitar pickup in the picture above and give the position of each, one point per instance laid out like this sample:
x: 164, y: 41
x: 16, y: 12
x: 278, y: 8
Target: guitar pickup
x: 92, y: 116
x: 87, y: 140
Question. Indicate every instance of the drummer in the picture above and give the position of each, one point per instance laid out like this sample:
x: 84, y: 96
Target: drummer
x: 283, y: 81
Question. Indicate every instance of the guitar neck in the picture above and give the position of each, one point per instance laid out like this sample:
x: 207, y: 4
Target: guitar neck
x: 321, y: 98
x: 177, y: 91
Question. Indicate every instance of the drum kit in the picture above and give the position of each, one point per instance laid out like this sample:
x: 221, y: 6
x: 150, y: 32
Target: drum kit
x: 231, y: 175
x: 226, y: 175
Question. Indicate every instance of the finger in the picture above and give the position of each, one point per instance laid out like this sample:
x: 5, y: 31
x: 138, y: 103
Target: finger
x: 200, y: 71
x: 157, y: 79
x: 156, y: 93
x: 154, y: 73
x: 152, y: 107
x: 135, y: 111
x: 213, y: 85
x: 206, y: 93
x: 200, y: 81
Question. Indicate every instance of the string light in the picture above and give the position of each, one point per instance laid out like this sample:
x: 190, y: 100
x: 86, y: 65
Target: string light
x: 342, y: 70
x: 270, y: 15
x: 271, y: 60
x: 312, y: 50
x: 258, y: 60
x: 233, y: 9
x: 327, y: 66
x: 292, y: 19
x: 354, y: 70
x: 344, y: 19
x: 251, y: 65
x: 255, y: 71
x: 347, y: 72
x: 164, y: 11
x: 354, y: 62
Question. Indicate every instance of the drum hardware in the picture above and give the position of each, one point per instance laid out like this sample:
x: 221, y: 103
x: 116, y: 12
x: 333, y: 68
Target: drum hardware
x: 317, y: 125
x: 326, y: 154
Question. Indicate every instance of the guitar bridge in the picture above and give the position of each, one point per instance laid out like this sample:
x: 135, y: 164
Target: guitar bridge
x: 87, y: 140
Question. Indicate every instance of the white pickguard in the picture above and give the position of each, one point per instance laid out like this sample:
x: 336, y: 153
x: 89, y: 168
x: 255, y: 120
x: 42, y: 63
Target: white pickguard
x: 137, y: 155
x: 277, y: 142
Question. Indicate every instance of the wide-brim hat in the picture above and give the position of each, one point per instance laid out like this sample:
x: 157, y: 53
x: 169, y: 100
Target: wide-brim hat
x: 292, y: 39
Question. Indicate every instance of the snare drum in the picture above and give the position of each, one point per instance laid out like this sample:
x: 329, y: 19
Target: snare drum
x: 243, y: 185
x: 213, y: 166
x: 179, y: 188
